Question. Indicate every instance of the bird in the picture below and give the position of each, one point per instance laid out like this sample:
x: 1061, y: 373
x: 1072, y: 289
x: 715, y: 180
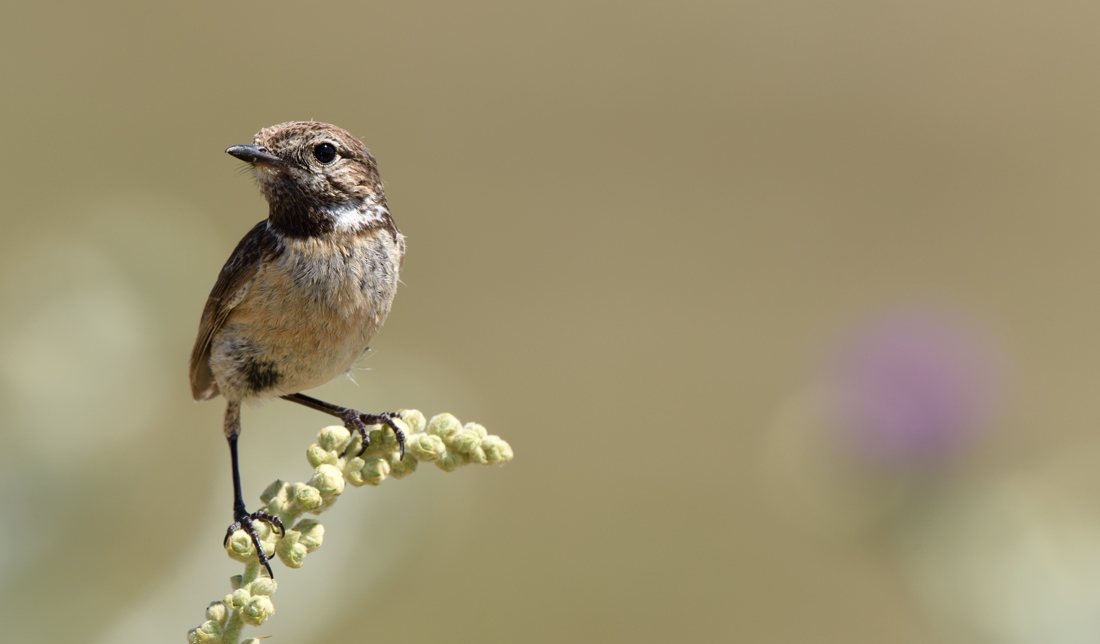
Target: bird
x: 304, y: 292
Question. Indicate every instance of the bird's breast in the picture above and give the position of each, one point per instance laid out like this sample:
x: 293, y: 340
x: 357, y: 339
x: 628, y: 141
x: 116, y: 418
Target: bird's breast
x: 340, y: 276
x: 309, y: 313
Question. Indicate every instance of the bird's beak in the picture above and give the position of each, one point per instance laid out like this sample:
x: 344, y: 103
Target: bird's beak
x: 254, y: 154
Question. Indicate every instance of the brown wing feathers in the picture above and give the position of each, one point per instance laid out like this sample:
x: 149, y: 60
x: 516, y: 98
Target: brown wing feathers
x: 235, y: 275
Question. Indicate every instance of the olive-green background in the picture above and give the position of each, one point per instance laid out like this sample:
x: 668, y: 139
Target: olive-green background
x: 634, y: 229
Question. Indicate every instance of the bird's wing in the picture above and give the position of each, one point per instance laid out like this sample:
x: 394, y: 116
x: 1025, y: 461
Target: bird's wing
x: 259, y: 244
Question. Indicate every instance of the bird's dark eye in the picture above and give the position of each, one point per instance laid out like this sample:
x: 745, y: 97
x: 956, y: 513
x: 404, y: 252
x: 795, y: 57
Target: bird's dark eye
x: 325, y: 153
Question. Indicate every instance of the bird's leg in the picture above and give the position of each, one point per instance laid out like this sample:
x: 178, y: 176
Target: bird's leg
x: 354, y: 420
x: 242, y: 520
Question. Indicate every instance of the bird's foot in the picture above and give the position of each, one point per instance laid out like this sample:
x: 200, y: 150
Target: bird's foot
x: 245, y: 521
x: 358, y: 422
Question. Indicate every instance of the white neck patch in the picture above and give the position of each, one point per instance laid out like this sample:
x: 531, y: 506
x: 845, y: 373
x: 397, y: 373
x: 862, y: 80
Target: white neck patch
x: 353, y: 216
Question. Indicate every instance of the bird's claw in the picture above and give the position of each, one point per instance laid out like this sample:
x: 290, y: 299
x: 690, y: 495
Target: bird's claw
x: 245, y: 522
x: 358, y: 422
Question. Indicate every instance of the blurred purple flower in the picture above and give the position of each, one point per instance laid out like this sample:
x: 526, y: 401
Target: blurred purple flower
x: 914, y: 387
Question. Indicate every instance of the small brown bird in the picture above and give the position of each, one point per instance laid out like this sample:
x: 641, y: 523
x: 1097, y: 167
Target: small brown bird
x: 304, y: 292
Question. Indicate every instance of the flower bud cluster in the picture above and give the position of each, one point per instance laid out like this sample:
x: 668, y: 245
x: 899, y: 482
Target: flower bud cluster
x: 337, y: 458
x: 450, y: 444
x: 248, y: 604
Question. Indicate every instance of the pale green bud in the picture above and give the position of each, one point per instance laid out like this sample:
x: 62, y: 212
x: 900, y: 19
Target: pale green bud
x: 477, y: 428
x: 238, y: 598
x: 375, y: 440
x: 291, y: 552
x: 425, y: 447
x: 450, y: 461
x: 353, y: 471
x: 387, y: 440
x: 477, y: 455
x: 328, y: 480
x: 268, y: 536
x: 444, y: 426
x: 355, y: 445
x: 316, y: 455
x: 262, y: 586
x: 496, y: 449
x: 240, y: 547
x: 299, y: 541
x: 402, y: 467
x: 278, y: 497
x: 392, y: 437
x: 210, y: 631
x: 217, y: 612
x: 414, y: 420
x: 257, y: 610
x: 312, y: 533
x: 334, y: 438
x: 465, y: 441
x: 375, y: 470
x: 308, y: 497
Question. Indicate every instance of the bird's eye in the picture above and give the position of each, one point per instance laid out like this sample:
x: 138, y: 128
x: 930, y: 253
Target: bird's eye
x: 324, y: 153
